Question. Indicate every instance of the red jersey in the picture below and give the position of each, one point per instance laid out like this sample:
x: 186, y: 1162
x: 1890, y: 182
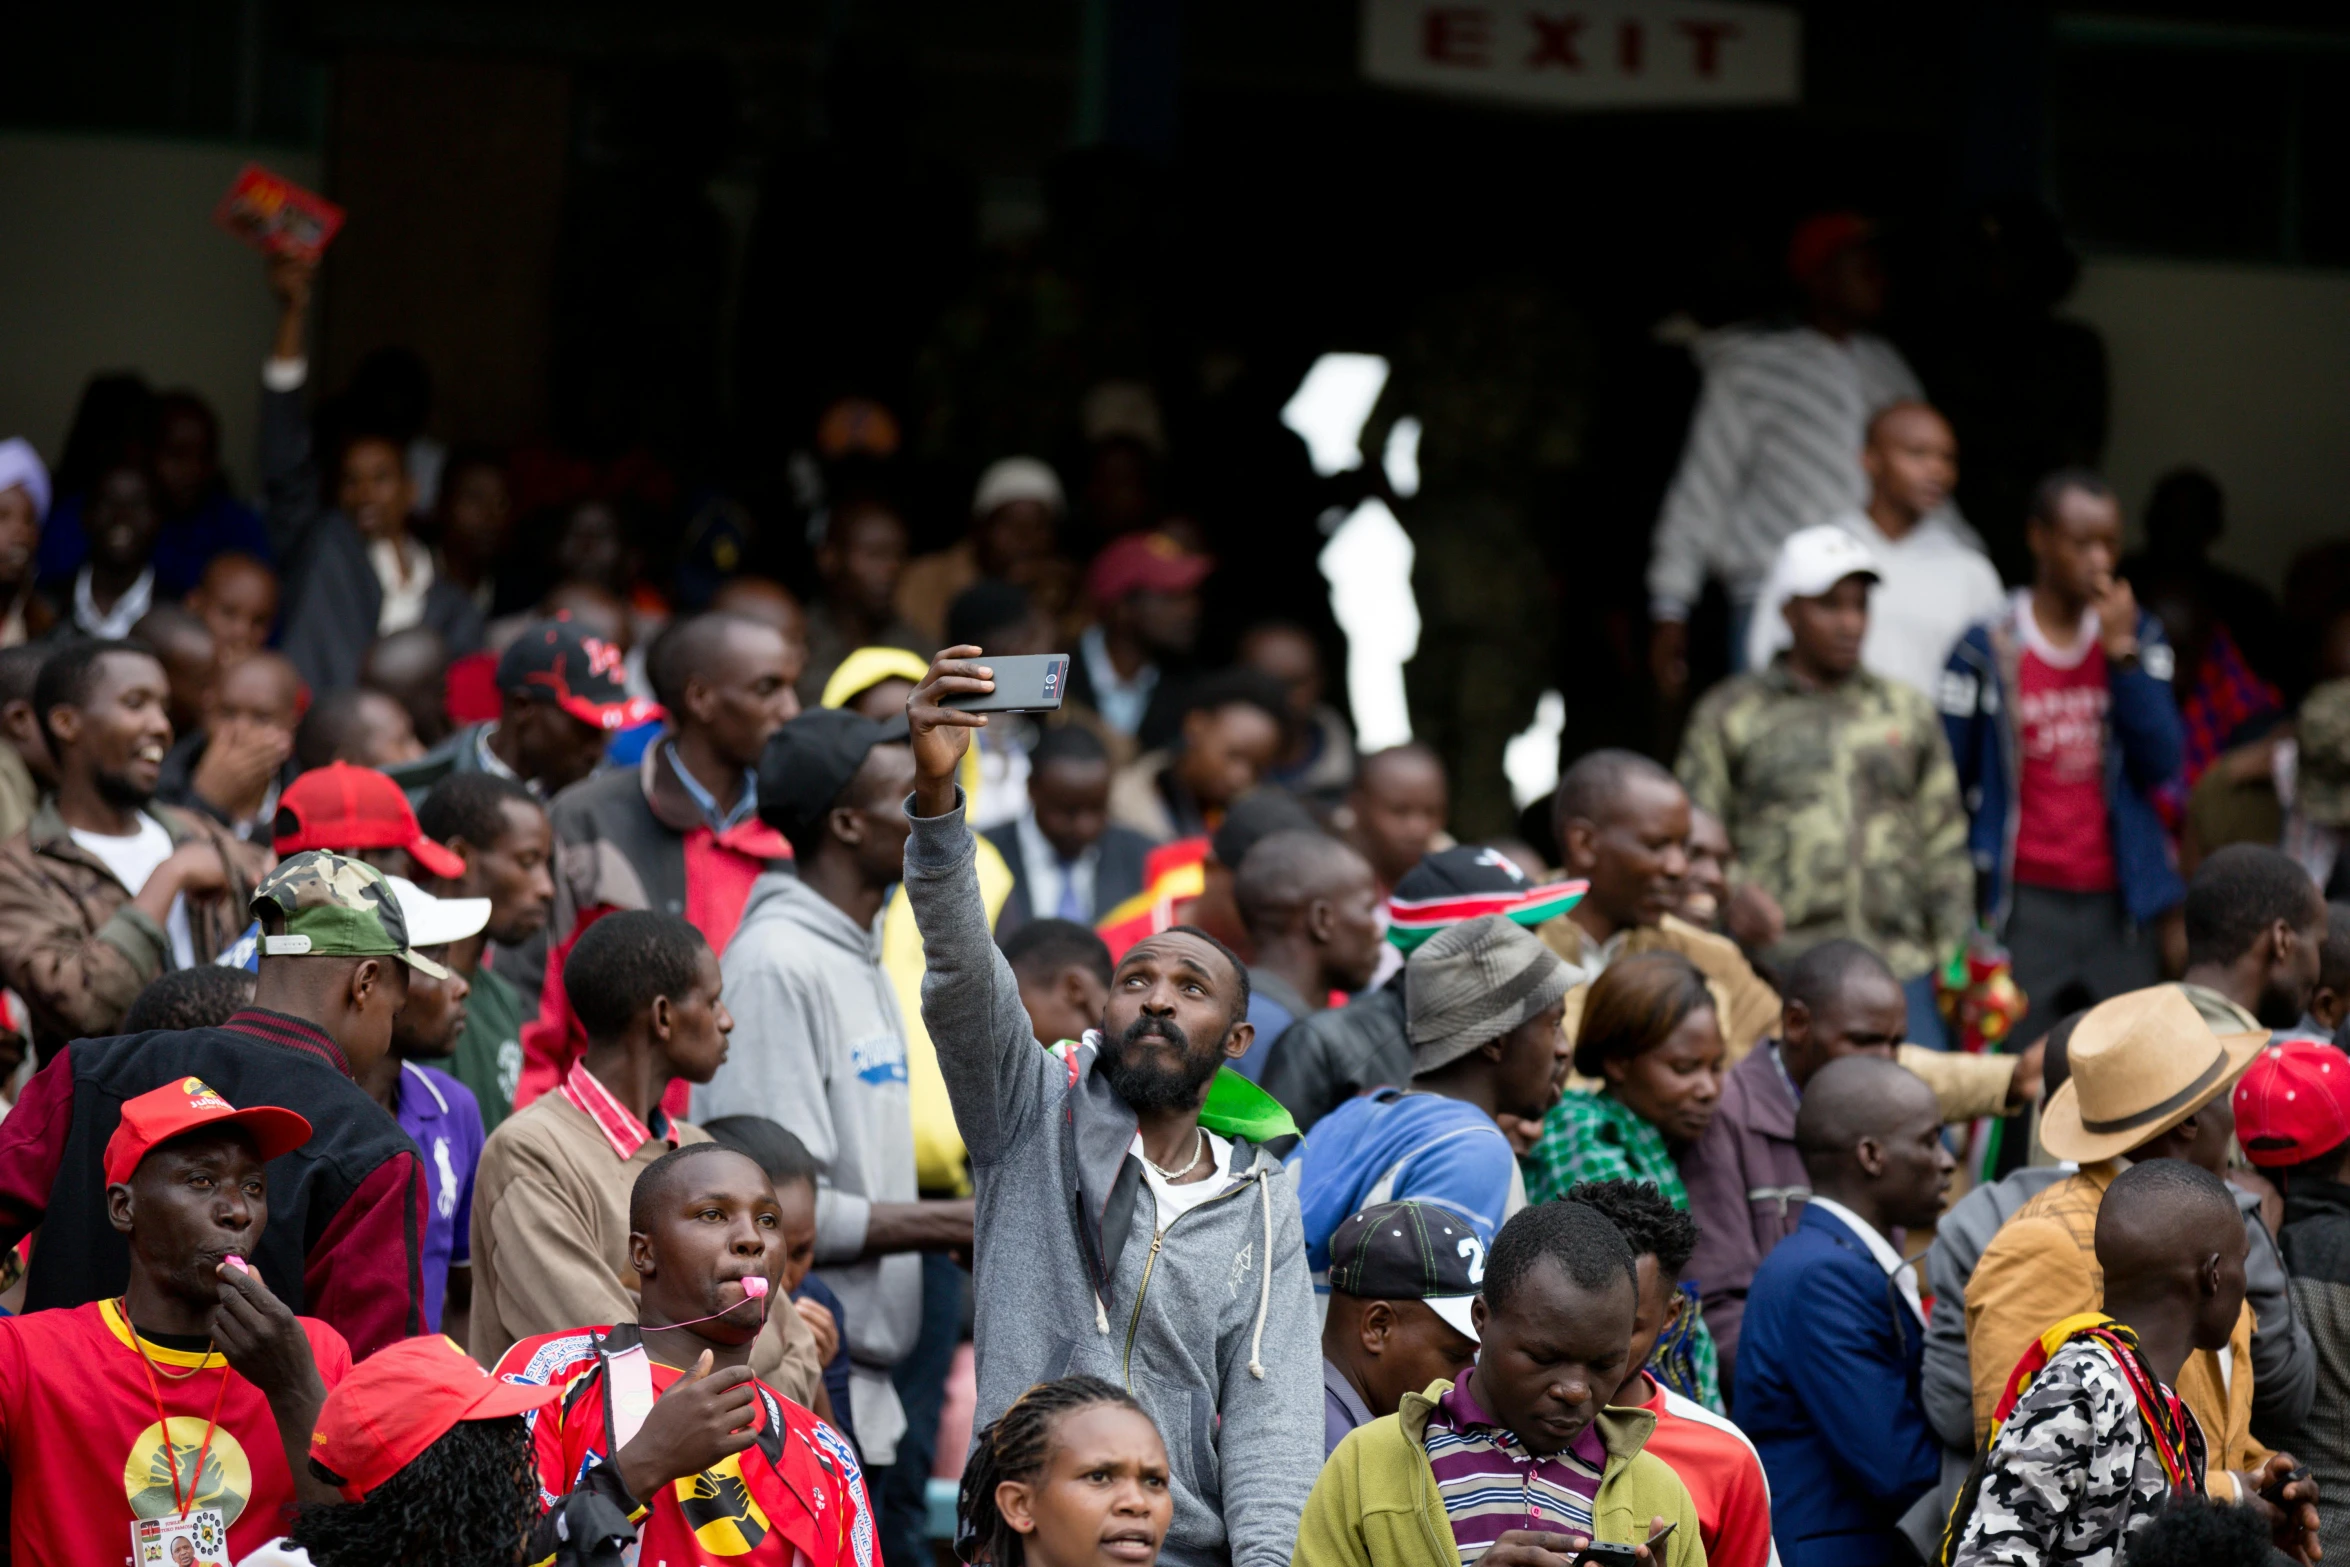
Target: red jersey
x: 2063, y: 840
x: 86, y: 1453
x: 794, y: 1498
x: 1724, y: 1476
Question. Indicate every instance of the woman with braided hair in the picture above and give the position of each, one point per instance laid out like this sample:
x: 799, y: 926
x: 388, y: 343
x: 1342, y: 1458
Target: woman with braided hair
x: 1072, y: 1473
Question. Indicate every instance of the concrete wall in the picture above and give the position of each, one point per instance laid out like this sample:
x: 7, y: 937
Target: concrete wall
x: 2242, y: 370
x: 110, y: 260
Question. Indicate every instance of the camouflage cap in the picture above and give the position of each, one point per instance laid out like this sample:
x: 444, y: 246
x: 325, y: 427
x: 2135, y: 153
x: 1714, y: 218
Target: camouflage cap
x: 2321, y: 788
x: 336, y: 905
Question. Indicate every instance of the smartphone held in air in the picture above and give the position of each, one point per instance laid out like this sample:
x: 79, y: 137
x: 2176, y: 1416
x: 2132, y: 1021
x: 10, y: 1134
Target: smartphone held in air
x: 1029, y: 683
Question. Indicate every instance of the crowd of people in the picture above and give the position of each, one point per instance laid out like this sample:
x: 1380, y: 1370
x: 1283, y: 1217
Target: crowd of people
x: 520, y: 1056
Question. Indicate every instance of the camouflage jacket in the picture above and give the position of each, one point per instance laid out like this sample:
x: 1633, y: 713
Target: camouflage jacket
x: 2072, y: 1474
x: 1843, y: 805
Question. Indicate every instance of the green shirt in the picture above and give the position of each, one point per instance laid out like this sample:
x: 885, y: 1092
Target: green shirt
x: 489, y: 1051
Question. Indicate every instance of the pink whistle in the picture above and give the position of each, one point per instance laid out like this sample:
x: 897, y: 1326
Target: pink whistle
x: 754, y: 1288
x: 238, y: 1263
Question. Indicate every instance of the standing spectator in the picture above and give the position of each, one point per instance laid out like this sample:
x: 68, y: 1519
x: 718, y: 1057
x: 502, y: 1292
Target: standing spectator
x: 1069, y: 860
x: 1220, y: 1346
x: 561, y: 696
x: 1933, y: 579
x: 1312, y: 915
x: 1016, y: 511
x: 1484, y: 999
x: 1401, y: 1315
x: 105, y: 889
x: 551, y: 1199
x: 2256, y: 935
x: 1775, y: 443
x: 24, y: 508
x: 346, y: 1218
x: 360, y: 812
x: 1714, y: 1459
x: 861, y: 559
x: 2060, y: 718
x: 233, y: 768
x: 25, y: 765
x: 1145, y: 592
x: 797, y: 1178
x: 236, y: 598
x: 1001, y: 618
x: 200, y: 519
x: 474, y: 516
x: 1319, y: 762
x: 362, y: 727
x: 117, y: 584
x: 1523, y: 1437
x: 355, y: 572
x: 1836, y: 783
x: 1230, y: 731
x: 206, y: 996
x: 1063, y: 971
x: 825, y: 1052
x: 500, y: 834
x: 1396, y: 810
x: 191, y: 662
x: 1032, y: 1494
x: 1828, y: 1368
x: 412, y: 668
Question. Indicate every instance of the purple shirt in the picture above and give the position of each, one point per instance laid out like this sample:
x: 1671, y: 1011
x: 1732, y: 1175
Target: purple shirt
x: 1491, y: 1484
x: 445, y: 1119
x: 1342, y: 1408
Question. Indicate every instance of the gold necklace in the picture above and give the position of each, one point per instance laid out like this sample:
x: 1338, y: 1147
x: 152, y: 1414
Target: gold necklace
x: 123, y: 1305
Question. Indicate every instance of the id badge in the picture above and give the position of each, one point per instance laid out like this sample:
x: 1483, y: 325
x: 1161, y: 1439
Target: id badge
x: 191, y: 1539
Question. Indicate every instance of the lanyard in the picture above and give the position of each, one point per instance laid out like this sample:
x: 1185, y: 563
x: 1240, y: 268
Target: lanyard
x: 170, y: 1454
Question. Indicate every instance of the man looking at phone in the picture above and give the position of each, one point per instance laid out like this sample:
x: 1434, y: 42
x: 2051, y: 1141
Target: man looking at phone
x: 2060, y: 719
x: 1518, y: 1461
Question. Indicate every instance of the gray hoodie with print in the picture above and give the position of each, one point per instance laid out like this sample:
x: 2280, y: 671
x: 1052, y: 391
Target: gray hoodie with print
x: 1211, y: 1325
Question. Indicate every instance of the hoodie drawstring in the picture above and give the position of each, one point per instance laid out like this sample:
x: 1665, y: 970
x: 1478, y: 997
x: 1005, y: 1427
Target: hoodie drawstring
x: 1101, y: 1315
x: 1256, y: 1343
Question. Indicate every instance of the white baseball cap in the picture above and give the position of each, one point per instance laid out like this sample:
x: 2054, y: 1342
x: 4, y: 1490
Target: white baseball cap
x: 1813, y: 560
x: 435, y: 922
x: 1018, y: 479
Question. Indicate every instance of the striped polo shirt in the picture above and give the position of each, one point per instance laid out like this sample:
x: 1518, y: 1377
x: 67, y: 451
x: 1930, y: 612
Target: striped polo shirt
x: 1490, y: 1483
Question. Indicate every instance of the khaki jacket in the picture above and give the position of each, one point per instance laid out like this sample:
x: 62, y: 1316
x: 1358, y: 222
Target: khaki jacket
x: 71, y: 942
x: 2041, y: 1268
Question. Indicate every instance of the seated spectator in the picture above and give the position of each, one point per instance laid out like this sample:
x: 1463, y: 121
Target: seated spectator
x: 2256, y: 933
x: 1032, y: 1494
x: 25, y: 767
x: 500, y: 833
x: 237, y: 599
x: 431, y: 1460
x: 1401, y: 1311
x: 2089, y: 1442
x: 797, y: 1177
x: 1484, y: 998
x: 768, y: 602
x: 1395, y: 812
x: 1063, y: 971
x: 1232, y: 727
x: 1650, y: 1038
x: 1001, y: 618
x: 354, y: 572
x: 233, y: 768
x: 1069, y: 860
x: 205, y: 996
x: 1705, y: 886
x: 87, y: 1394
x: 1311, y: 911
x: 341, y: 1240
x: 116, y: 585
x: 860, y: 561
x: 734, y: 1435
x: 200, y: 518
x: 473, y: 525
x: 1189, y: 881
x: 1713, y: 1457
x: 24, y: 508
x: 551, y: 1218
x: 362, y: 727
x: 2329, y: 1001
x: 1016, y: 513
x: 1523, y: 1436
x: 1330, y: 1056
x: 1319, y: 762
x: 191, y: 662
x: 1834, y: 1328
x: 412, y: 668
x: 560, y: 697
x: 1145, y: 593
x: 106, y: 888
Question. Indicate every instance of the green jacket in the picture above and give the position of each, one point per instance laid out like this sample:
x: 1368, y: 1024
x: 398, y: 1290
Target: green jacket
x: 1377, y: 1501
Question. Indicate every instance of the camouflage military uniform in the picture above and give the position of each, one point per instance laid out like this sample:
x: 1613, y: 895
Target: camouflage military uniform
x: 2072, y: 1473
x: 1843, y: 805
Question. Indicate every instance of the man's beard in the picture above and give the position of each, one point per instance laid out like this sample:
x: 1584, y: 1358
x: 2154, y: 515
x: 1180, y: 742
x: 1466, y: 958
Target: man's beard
x: 118, y: 791
x: 1142, y: 1081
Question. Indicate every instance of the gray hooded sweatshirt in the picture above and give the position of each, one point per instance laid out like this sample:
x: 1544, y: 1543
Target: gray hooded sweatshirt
x: 820, y: 1048
x: 1210, y: 1324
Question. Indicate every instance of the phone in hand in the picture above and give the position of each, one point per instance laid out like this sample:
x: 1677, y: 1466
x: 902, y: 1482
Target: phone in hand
x: 1027, y: 683
x: 2274, y: 1494
x: 1606, y: 1553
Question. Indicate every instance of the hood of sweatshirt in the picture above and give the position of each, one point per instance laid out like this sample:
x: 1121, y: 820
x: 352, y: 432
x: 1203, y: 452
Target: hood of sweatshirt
x: 780, y: 899
x: 1356, y: 1144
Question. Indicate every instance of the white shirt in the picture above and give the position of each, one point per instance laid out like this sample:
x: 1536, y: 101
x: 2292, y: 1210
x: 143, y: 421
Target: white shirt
x: 132, y: 859
x: 403, y: 604
x: 1933, y: 583
x: 1050, y: 878
x: 1173, y: 1201
x: 114, y: 624
x: 1122, y: 703
x: 1896, y: 1266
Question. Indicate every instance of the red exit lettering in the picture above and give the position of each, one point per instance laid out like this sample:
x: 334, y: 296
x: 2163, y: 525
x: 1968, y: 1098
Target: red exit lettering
x: 1458, y: 35
x: 1705, y: 43
x: 1554, y: 42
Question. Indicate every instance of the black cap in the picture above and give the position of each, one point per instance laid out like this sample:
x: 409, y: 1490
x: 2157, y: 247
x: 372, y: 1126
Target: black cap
x: 810, y: 760
x: 560, y: 662
x: 1410, y: 1251
x: 1459, y: 871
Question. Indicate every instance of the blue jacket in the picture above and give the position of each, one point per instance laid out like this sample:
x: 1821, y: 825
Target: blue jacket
x: 1389, y: 1145
x: 1827, y: 1391
x: 2145, y: 747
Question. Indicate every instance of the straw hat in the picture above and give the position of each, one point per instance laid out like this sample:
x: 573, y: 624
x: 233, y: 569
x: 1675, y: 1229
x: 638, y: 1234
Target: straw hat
x: 2141, y: 1064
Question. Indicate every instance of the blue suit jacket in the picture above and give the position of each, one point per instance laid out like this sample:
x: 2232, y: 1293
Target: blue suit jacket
x: 1827, y: 1390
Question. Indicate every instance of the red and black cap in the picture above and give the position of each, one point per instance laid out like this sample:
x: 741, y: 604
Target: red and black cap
x: 556, y: 661
x: 1466, y: 883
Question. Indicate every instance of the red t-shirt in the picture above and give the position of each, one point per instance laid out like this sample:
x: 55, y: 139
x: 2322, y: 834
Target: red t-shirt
x: 84, y: 1450
x: 2062, y: 838
x: 1723, y: 1473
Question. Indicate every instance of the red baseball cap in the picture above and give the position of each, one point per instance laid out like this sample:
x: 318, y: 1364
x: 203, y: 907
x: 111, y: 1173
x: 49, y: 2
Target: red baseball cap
x: 2293, y: 1102
x: 342, y: 808
x: 558, y: 661
x: 399, y: 1401
x: 161, y: 1114
x: 1145, y: 563
x: 1823, y: 237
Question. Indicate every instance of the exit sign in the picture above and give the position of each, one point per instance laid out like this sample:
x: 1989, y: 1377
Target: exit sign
x: 1629, y: 54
